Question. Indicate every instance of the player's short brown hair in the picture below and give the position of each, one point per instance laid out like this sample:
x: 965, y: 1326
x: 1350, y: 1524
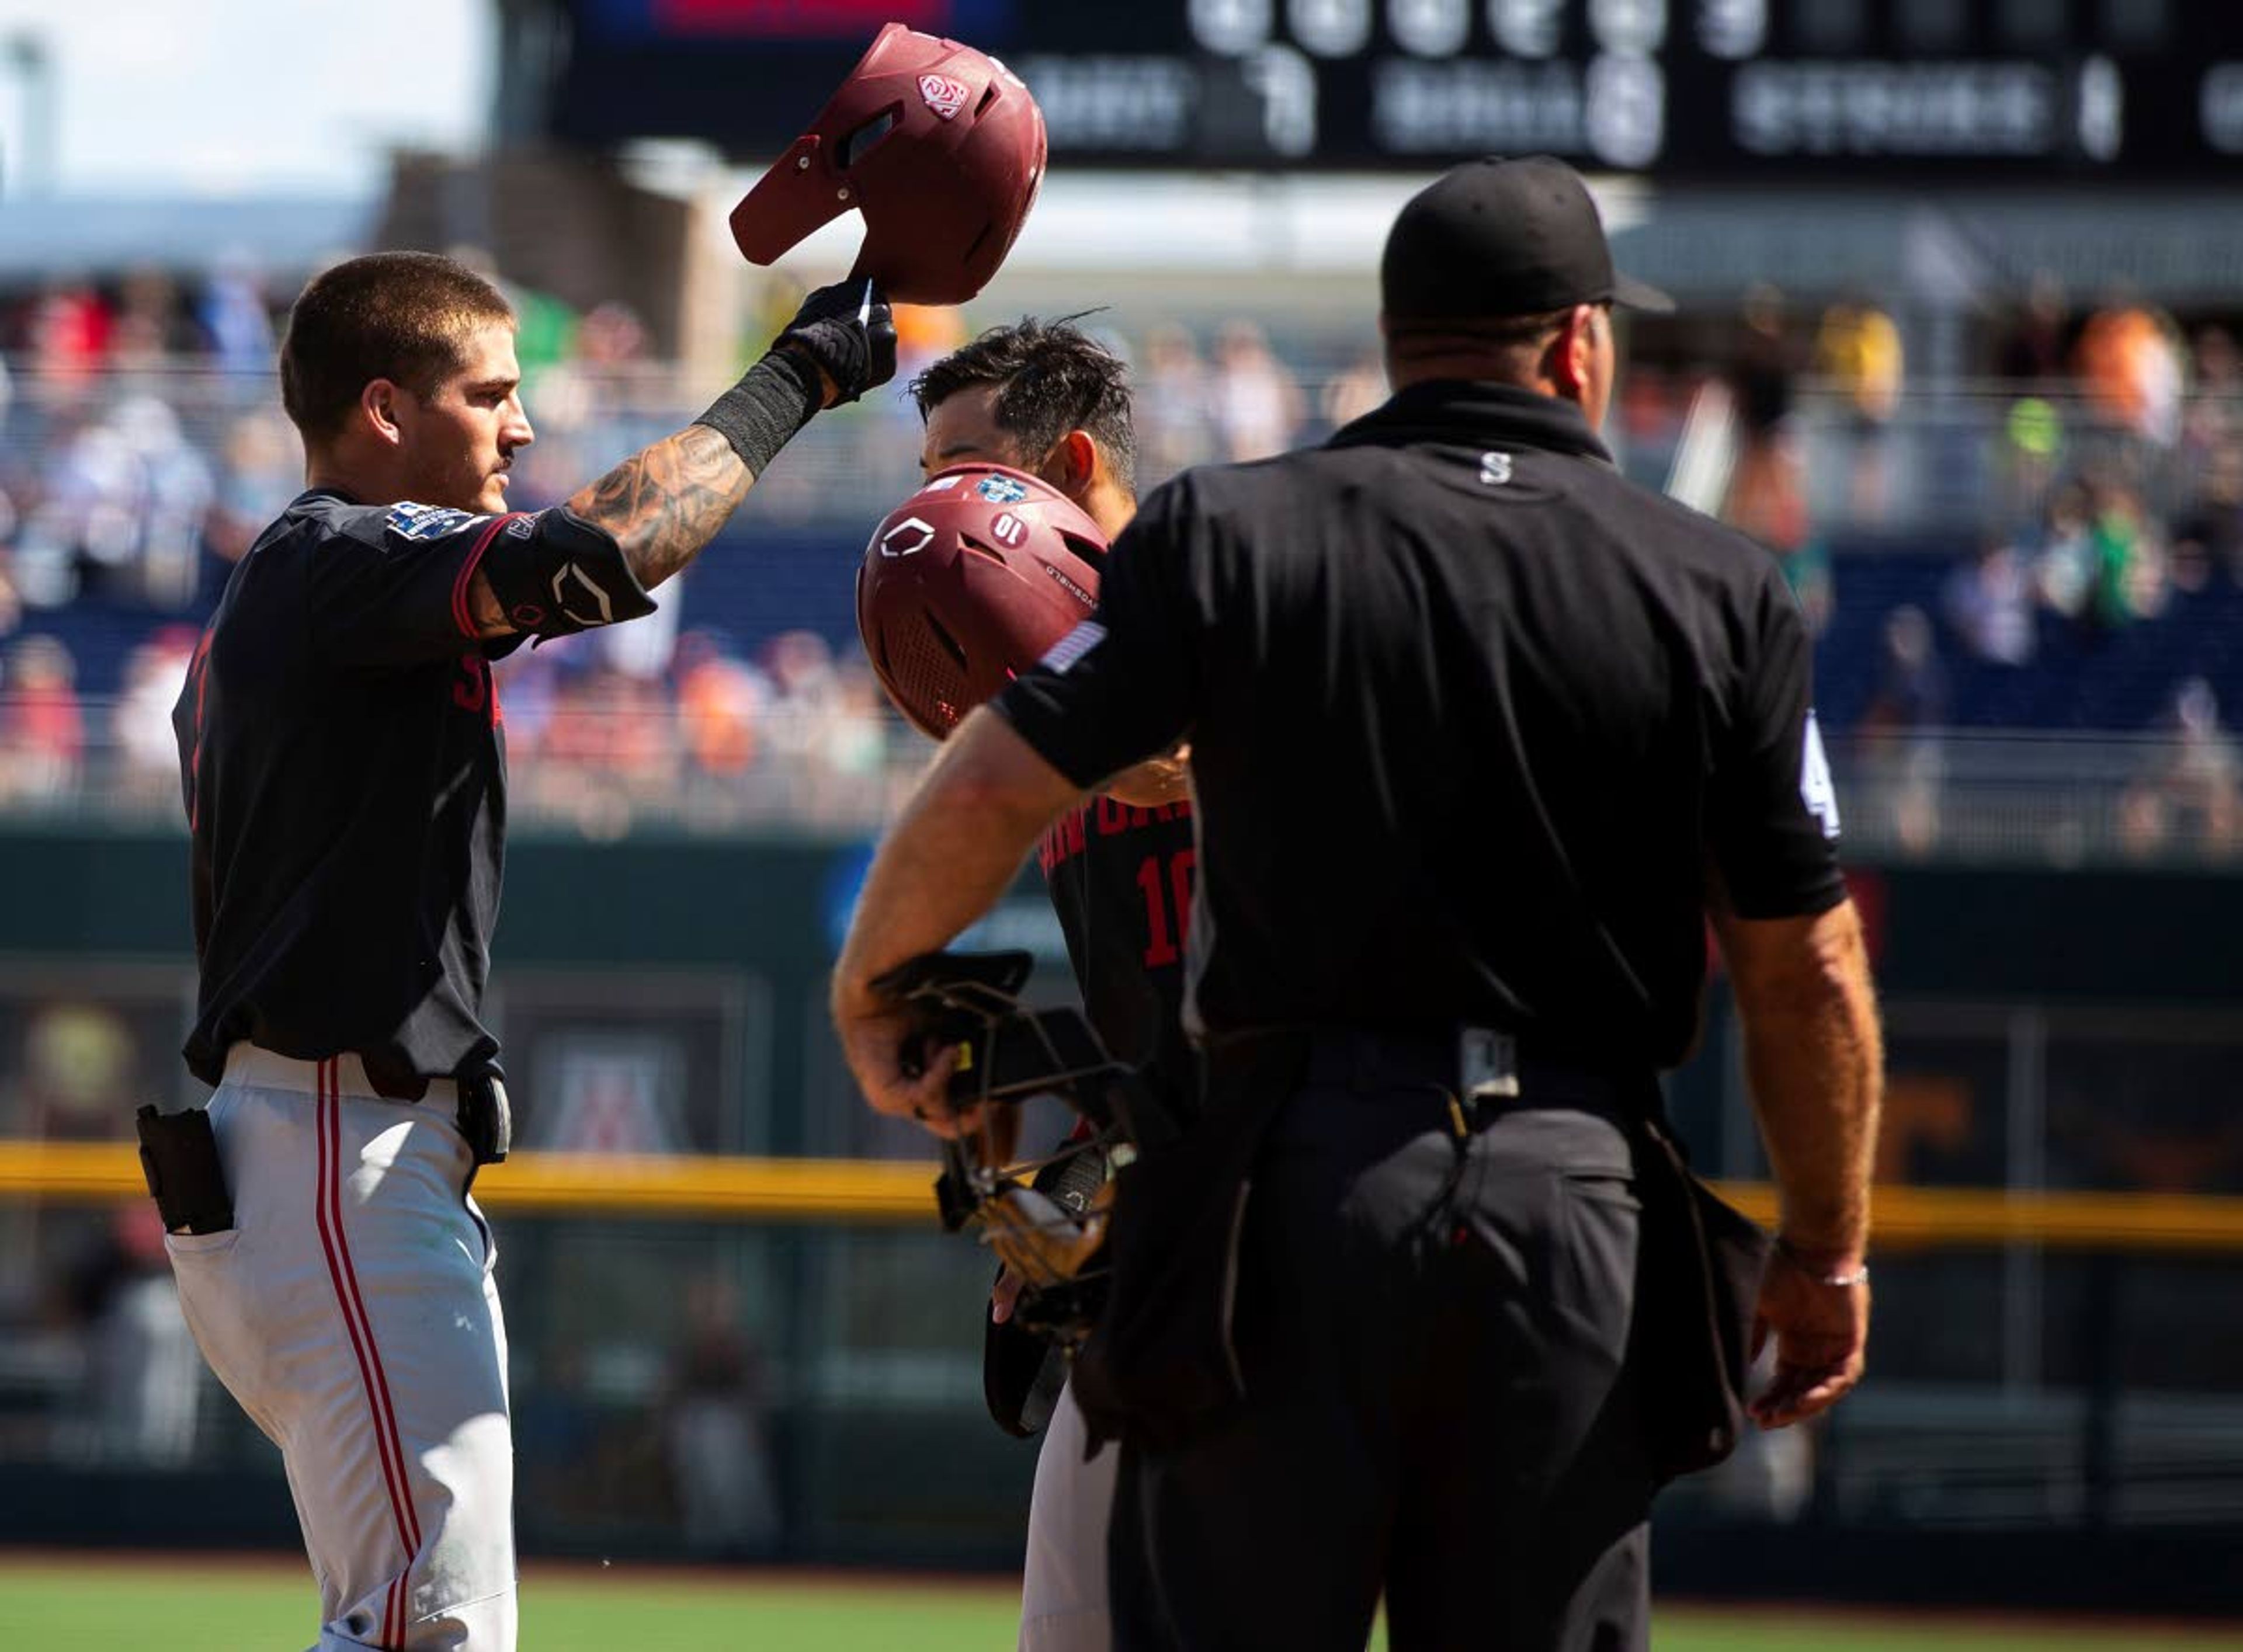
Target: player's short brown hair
x: 1051, y: 377
x: 400, y: 316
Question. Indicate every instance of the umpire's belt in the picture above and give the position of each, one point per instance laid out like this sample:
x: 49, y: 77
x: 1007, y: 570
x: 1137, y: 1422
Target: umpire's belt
x: 1486, y: 1071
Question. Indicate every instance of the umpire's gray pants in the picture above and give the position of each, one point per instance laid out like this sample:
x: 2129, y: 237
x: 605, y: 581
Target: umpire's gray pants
x: 1433, y: 1331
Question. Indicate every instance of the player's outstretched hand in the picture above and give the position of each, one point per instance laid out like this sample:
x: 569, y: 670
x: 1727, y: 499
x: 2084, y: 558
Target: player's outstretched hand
x: 845, y: 332
x: 1821, y: 1329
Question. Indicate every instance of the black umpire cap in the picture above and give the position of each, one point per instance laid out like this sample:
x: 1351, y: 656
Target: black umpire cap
x: 1498, y: 236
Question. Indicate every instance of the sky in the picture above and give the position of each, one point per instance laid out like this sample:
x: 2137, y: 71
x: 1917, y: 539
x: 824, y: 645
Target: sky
x: 243, y: 97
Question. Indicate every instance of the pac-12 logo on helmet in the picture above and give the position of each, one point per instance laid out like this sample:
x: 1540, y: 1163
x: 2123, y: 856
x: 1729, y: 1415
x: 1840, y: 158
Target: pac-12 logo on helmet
x: 969, y: 582
x: 944, y: 96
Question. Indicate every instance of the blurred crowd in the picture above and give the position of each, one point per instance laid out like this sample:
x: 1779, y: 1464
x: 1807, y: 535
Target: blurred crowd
x: 2080, y: 483
x: 698, y: 731
x: 2059, y: 548
x: 2105, y: 445
x: 141, y: 449
x: 602, y: 731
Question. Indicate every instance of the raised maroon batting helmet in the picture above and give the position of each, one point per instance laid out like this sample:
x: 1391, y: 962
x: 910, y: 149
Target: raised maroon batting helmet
x: 939, y: 146
x: 969, y: 582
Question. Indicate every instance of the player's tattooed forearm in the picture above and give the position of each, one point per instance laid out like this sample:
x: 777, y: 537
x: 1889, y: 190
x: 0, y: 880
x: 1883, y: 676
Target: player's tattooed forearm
x: 662, y: 505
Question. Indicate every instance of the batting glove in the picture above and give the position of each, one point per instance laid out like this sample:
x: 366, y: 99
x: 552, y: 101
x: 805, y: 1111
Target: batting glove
x: 846, y: 333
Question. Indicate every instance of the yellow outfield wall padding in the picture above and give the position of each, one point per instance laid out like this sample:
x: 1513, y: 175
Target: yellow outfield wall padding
x: 873, y: 1192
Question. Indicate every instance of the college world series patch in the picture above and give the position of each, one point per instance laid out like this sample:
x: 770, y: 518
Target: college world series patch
x: 425, y: 521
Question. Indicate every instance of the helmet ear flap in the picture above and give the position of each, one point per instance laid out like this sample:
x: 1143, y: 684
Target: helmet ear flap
x: 788, y: 204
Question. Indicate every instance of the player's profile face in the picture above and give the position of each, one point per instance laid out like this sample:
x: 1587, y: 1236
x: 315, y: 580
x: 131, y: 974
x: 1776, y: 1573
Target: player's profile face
x: 462, y: 438
x: 962, y: 429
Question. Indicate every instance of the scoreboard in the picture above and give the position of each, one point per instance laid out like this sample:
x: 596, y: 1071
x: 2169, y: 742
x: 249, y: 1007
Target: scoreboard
x: 1909, y: 90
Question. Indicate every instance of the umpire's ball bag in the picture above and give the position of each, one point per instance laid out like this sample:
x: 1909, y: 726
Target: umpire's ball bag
x: 1698, y: 1271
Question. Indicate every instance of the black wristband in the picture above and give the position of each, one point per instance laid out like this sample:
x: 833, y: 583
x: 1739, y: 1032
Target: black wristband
x: 760, y: 414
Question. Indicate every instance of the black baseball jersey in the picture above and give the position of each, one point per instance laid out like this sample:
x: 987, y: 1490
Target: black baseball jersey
x: 1121, y: 881
x: 1475, y: 722
x: 345, y: 774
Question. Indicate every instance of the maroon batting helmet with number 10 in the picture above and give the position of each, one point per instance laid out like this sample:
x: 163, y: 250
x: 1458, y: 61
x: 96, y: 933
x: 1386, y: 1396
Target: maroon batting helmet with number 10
x: 970, y: 581
x: 939, y: 146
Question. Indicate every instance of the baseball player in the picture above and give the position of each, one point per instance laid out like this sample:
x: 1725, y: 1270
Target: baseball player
x: 344, y: 777
x: 1046, y: 399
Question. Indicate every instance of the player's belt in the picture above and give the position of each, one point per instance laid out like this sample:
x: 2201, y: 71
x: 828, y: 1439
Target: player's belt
x: 248, y: 1064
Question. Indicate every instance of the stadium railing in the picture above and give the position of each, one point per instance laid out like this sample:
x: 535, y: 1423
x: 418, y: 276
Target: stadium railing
x: 1959, y: 452
x: 1933, y: 794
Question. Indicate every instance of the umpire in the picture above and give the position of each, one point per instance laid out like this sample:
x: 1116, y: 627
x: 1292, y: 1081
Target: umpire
x: 1553, y: 724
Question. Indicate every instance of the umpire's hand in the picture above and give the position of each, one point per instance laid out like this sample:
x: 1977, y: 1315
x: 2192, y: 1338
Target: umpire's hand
x: 899, y: 1076
x: 1820, y: 1318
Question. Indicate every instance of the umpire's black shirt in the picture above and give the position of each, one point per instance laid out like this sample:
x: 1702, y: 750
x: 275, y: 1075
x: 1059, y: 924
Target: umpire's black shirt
x: 1474, y: 721
x: 344, y: 766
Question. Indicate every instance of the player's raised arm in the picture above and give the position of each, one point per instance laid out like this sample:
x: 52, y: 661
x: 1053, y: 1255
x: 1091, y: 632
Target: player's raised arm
x: 666, y: 501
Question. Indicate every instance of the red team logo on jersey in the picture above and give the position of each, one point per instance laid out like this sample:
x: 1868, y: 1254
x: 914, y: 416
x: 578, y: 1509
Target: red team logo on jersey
x: 944, y: 96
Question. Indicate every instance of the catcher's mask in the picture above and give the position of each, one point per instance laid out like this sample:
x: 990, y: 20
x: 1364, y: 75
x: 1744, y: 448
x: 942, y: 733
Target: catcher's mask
x: 939, y: 146
x: 1045, y: 1218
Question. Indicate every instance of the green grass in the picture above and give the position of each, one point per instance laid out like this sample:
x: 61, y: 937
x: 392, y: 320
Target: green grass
x: 122, y: 1604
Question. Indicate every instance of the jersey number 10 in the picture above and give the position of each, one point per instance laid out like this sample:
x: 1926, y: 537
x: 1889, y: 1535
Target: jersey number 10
x: 1167, y: 887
